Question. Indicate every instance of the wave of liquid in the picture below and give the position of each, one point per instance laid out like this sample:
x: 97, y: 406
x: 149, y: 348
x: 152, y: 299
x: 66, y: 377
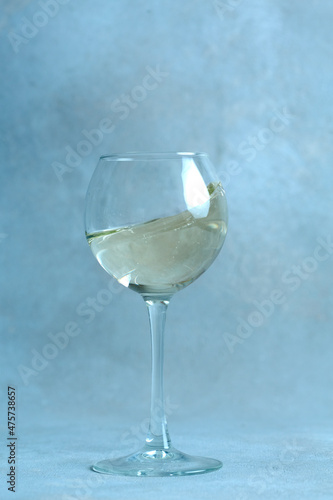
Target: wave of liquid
x: 164, y: 255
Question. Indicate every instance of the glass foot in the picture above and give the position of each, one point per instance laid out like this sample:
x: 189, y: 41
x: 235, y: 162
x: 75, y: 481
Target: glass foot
x: 159, y: 462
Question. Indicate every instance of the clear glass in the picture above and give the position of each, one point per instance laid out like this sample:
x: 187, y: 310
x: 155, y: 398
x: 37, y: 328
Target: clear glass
x: 156, y: 222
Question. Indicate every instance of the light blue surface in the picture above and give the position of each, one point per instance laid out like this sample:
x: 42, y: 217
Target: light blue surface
x: 249, y: 82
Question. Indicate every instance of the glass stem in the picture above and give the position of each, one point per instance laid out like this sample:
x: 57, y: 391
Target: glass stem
x: 158, y: 435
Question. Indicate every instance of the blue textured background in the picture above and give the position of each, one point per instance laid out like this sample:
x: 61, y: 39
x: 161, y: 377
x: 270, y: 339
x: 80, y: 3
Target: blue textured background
x: 222, y: 74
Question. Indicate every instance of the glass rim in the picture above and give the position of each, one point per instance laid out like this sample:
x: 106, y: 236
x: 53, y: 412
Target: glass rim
x: 150, y: 155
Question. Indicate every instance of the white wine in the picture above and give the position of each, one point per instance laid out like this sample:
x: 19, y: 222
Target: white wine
x: 164, y: 255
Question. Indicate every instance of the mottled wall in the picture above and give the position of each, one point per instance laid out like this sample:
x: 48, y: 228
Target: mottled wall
x: 249, y: 82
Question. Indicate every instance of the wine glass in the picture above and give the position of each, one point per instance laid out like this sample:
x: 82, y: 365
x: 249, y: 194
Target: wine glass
x: 156, y: 222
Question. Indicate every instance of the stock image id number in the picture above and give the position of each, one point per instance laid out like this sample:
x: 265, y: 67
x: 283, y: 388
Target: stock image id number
x: 11, y: 411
